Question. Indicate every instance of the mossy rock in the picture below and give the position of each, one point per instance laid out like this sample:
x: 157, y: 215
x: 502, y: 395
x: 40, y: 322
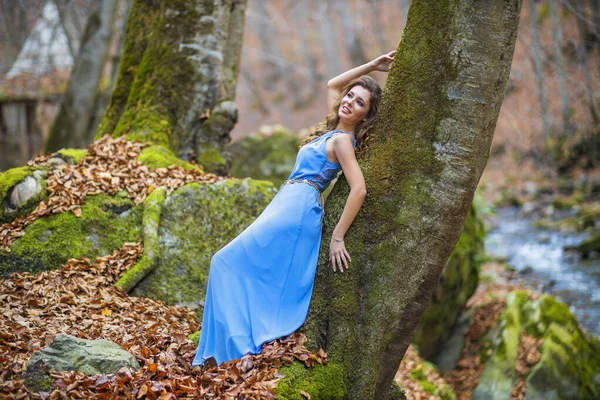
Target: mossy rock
x: 569, y: 367
x: 323, y: 382
x: 197, y: 220
x: 264, y: 157
x: 73, y: 156
x: 457, y: 283
x: 589, y: 245
x: 157, y: 156
x: 106, y: 222
x: 11, y: 178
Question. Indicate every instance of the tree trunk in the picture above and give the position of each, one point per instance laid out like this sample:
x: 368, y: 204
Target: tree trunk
x: 596, y: 21
x: 71, y: 125
x: 331, y: 55
x: 177, y: 79
x: 568, y: 125
x: 103, y: 98
x: 539, y: 73
x: 14, y: 19
x: 427, y: 151
x: 350, y: 32
x: 584, y: 50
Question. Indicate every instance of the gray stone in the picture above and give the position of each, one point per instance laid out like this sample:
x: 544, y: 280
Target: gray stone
x: 91, y: 357
x: 23, y: 191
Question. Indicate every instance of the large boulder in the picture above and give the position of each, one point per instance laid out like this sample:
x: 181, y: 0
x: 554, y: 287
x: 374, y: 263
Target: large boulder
x: 106, y: 222
x: 569, y: 358
x: 261, y: 156
x: 70, y: 353
x: 193, y: 222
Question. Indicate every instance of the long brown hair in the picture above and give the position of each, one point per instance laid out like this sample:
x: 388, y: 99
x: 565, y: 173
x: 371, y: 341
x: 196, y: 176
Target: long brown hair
x: 362, y: 128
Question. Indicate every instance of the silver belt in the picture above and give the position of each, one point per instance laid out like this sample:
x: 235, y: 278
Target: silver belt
x: 311, y: 183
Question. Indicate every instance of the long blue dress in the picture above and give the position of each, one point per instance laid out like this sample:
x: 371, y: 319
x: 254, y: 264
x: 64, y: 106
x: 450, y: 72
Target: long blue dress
x: 260, y: 283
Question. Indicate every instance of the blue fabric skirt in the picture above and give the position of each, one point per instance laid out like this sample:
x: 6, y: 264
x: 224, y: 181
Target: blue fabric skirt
x: 260, y: 283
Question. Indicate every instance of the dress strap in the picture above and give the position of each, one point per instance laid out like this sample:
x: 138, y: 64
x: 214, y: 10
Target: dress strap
x: 347, y: 133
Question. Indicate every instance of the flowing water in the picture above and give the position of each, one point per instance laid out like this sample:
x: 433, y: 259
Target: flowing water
x: 540, y: 260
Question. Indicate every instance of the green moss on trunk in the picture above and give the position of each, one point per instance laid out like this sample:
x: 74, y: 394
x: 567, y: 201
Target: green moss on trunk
x: 323, y: 382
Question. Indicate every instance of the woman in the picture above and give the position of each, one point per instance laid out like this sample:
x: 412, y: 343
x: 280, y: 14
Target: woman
x: 260, y: 283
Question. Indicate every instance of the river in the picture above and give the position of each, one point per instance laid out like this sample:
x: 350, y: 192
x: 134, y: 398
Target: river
x: 539, y: 259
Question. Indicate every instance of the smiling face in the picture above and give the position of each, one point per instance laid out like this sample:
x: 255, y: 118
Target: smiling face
x: 354, y: 106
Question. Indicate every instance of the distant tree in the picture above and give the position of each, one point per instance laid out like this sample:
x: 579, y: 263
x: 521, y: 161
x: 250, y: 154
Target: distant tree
x: 539, y: 73
x: 71, y: 126
x: 568, y: 123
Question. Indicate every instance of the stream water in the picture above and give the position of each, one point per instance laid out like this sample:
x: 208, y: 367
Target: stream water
x: 538, y: 257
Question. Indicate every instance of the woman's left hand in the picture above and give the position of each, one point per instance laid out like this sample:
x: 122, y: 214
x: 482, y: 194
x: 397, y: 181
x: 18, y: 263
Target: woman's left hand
x: 338, y: 255
x: 384, y: 61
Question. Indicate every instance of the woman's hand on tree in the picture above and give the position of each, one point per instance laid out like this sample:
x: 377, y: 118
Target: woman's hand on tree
x: 338, y: 256
x: 384, y: 61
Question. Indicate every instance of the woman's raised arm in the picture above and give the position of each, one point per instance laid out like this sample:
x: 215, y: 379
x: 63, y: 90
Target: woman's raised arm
x: 335, y: 85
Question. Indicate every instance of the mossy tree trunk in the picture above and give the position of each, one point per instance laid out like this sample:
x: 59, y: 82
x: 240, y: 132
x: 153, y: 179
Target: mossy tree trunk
x: 77, y: 110
x: 426, y: 154
x: 178, y: 75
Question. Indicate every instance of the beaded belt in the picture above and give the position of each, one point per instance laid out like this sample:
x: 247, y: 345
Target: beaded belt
x: 311, y: 183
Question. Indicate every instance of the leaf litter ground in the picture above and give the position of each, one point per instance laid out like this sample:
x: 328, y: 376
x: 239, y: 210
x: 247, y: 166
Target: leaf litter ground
x: 80, y: 299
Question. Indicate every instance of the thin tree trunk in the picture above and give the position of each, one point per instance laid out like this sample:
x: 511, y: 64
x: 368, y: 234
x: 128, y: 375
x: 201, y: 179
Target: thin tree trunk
x: 103, y: 98
x: 307, y: 52
x: 14, y: 19
x: 568, y: 125
x: 328, y: 41
x: 539, y: 73
x: 350, y: 32
x: 70, y: 128
x: 596, y: 22
x: 426, y: 153
x: 584, y: 51
x: 378, y: 24
x: 177, y: 79
x: 268, y: 38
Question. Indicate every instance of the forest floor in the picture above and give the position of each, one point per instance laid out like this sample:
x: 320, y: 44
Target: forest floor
x: 80, y: 299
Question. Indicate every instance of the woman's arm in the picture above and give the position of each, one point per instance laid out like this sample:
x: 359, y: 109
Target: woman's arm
x: 344, y: 150
x: 335, y: 85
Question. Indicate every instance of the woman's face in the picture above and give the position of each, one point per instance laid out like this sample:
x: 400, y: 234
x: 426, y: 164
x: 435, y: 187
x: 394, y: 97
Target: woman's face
x: 355, y: 105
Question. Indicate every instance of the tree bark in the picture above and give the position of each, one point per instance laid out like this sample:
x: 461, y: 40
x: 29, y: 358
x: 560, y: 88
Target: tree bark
x: 539, y: 73
x: 568, y: 125
x: 331, y: 55
x: 178, y: 76
x: 14, y: 19
x: 71, y: 125
x: 350, y: 32
x: 426, y: 153
x: 103, y: 98
x: 584, y: 50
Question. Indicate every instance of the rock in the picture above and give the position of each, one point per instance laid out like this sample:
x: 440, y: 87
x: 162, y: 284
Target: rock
x: 569, y: 362
x: 56, y: 160
x: 69, y: 353
x: 24, y: 191
x: 589, y: 246
x: 50, y: 241
x: 195, y: 221
x: 21, y: 189
x: 269, y: 157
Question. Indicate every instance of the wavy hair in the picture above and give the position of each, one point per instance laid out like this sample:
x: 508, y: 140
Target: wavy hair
x: 362, y: 128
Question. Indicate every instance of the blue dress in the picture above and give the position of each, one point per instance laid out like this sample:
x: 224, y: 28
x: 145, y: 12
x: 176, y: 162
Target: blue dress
x: 260, y: 283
